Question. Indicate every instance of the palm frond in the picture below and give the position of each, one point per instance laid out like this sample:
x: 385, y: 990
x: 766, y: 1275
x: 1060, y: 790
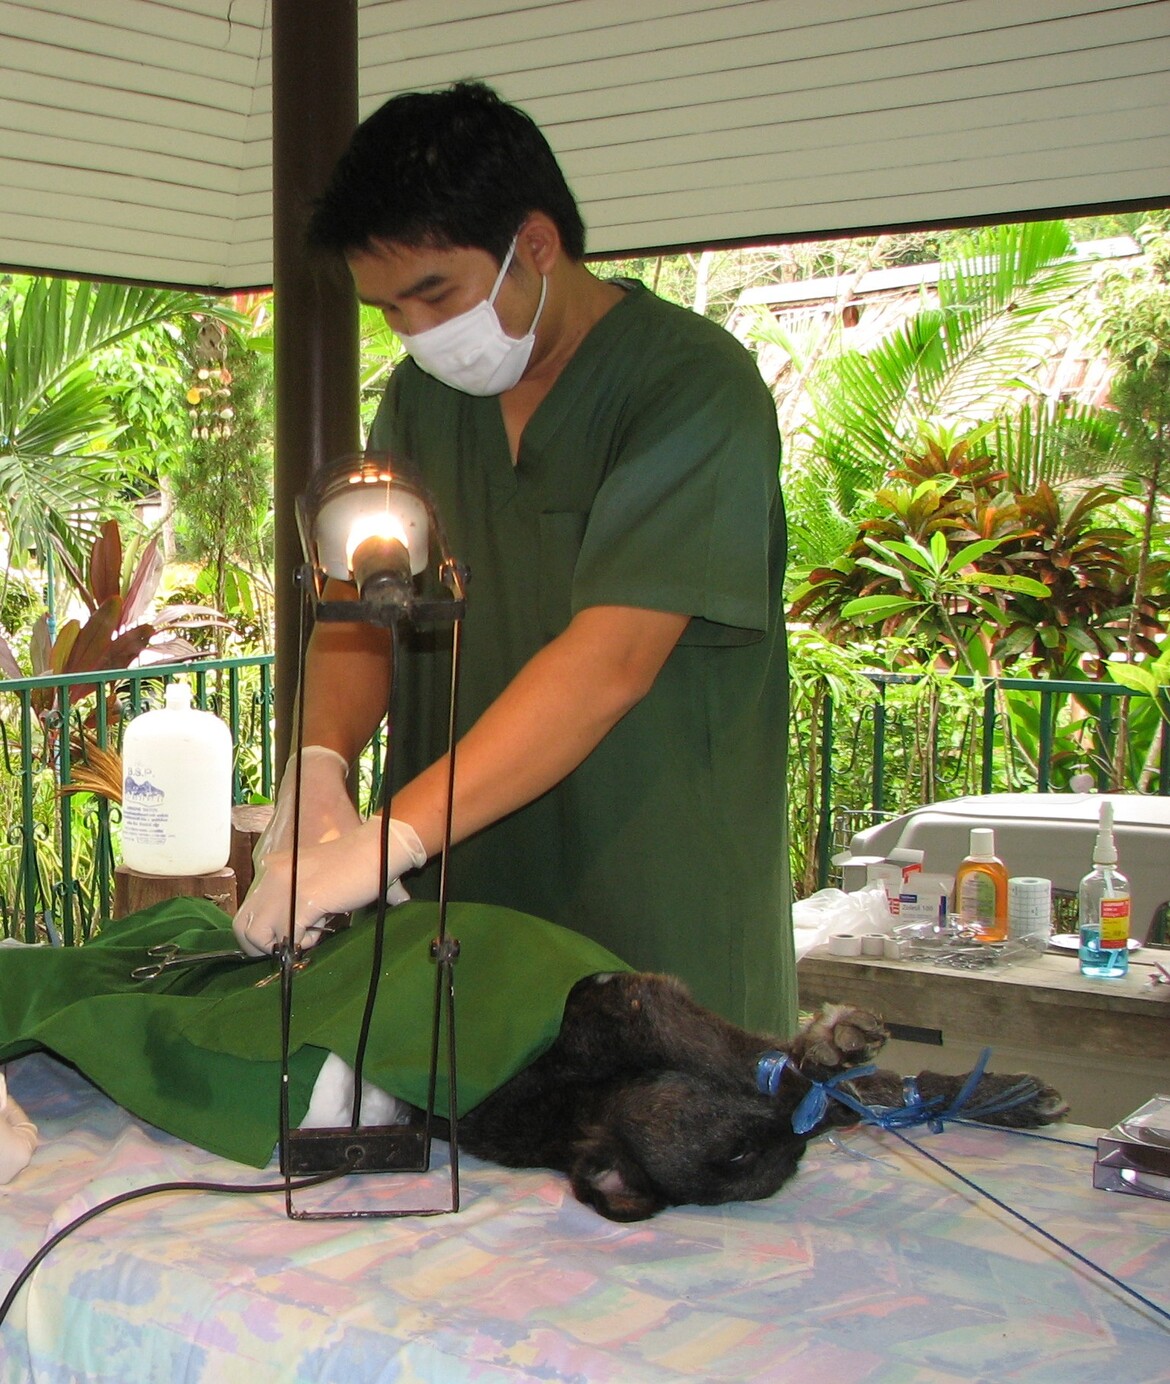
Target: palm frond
x: 998, y: 308
x: 95, y: 770
x: 1055, y: 442
x: 57, y: 428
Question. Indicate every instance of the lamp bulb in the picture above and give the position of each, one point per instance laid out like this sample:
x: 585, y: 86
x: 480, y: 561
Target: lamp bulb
x: 382, y: 525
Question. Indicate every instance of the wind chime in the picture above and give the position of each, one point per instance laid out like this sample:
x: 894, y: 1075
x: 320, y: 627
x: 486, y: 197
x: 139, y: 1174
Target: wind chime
x: 209, y: 399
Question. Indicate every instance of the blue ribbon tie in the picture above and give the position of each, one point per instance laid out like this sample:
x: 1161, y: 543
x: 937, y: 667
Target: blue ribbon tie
x: 914, y: 1110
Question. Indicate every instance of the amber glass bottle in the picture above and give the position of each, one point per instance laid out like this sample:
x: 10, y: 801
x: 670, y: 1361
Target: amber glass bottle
x: 981, y: 888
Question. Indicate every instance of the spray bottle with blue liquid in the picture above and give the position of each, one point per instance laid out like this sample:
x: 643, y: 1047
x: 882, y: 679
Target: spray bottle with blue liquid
x: 1104, y: 908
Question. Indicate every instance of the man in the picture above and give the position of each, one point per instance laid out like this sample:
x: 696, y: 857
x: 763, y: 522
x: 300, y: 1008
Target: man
x: 606, y: 465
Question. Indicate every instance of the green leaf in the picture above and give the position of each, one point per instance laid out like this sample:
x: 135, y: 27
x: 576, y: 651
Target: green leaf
x: 1000, y: 581
x: 1135, y: 676
x: 1161, y: 665
x: 873, y: 565
x: 1016, y: 641
x: 990, y: 609
x: 910, y: 549
x: 872, y: 608
x: 970, y: 554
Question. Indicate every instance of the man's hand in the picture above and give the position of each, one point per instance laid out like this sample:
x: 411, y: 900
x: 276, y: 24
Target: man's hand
x: 336, y: 876
x: 327, y: 811
x: 327, y: 814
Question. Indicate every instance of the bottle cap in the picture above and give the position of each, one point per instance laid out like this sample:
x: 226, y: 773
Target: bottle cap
x: 982, y: 843
x: 178, y: 696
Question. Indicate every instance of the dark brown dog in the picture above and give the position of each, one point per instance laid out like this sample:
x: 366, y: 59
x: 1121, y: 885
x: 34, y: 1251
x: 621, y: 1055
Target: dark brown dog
x: 646, y: 1100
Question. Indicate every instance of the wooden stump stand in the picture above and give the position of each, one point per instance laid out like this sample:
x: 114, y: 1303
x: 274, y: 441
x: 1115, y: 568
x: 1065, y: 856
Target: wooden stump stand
x: 134, y: 891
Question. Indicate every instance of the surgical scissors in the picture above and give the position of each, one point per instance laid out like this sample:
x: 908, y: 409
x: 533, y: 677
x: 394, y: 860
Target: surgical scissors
x: 169, y: 955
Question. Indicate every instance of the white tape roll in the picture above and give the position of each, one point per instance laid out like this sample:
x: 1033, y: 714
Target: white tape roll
x: 1029, y: 906
x: 845, y: 944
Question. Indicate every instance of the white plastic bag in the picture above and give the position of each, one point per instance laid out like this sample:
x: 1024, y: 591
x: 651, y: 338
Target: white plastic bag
x: 831, y: 912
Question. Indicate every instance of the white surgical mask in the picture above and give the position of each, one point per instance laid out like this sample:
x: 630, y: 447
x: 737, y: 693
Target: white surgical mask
x: 472, y: 352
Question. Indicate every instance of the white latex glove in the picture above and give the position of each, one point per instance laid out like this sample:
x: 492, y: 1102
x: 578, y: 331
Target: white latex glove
x: 327, y: 813
x: 336, y: 876
x: 18, y: 1136
x: 327, y: 810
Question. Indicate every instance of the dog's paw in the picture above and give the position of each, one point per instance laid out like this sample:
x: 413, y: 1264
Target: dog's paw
x: 1039, y: 1104
x: 1045, y: 1107
x: 606, y: 1176
x: 838, y: 1036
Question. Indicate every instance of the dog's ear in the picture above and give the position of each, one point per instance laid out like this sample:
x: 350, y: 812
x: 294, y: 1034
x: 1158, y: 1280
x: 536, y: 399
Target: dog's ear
x: 606, y: 1177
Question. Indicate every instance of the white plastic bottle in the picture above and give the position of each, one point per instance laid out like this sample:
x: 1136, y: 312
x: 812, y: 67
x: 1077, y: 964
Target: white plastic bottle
x: 176, y: 789
x: 1104, y: 908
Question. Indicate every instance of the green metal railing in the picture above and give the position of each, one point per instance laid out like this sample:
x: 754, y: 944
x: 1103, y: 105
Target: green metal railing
x: 59, y: 849
x: 1015, y: 734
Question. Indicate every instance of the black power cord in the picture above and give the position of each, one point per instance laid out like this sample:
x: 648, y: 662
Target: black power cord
x: 155, y: 1189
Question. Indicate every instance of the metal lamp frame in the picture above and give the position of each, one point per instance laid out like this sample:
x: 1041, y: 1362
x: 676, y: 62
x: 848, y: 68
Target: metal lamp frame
x: 355, y: 1148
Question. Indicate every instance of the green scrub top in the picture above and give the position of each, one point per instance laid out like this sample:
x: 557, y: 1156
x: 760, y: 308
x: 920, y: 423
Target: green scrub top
x: 647, y: 477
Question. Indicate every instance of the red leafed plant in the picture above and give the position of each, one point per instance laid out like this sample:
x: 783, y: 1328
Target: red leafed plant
x: 114, y: 634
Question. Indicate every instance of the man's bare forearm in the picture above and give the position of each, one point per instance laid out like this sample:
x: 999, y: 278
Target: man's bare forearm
x: 347, y: 681
x: 548, y: 719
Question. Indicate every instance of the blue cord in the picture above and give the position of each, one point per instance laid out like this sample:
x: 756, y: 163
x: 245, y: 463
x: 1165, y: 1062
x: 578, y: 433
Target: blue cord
x: 1034, y: 1134
x: 933, y: 1113
x: 1031, y: 1224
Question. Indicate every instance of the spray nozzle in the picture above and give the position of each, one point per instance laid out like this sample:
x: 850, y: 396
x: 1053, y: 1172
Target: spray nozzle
x: 1105, y: 850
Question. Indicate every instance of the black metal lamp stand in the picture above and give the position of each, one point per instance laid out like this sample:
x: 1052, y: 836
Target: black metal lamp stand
x: 389, y: 567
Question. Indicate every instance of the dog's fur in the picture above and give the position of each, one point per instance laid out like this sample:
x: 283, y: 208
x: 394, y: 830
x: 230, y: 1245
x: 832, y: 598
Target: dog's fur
x: 646, y: 1100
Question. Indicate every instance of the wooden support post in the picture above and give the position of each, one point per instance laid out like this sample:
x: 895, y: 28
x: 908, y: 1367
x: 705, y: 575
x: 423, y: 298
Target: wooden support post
x: 314, y: 113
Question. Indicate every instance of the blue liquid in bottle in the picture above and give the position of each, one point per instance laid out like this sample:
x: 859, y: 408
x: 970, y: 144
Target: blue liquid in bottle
x: 1098, y: 962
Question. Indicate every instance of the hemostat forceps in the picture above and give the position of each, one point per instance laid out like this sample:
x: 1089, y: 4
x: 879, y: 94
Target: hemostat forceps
x: 169, y: 955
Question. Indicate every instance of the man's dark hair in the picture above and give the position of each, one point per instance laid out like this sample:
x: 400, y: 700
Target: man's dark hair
x: 457, y: 167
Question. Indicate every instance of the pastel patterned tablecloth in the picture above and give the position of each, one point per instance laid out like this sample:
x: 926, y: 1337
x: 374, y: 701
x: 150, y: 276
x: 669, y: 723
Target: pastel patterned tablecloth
x: 888, y: 1272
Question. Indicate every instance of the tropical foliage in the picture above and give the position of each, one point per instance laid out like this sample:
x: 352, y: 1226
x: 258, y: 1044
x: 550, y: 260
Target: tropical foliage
x: 960, y: 561
x: 1136, y: 332
x: 939, y: 495
x: 117, y: 589
x: 220, y: 485
x: 952, y: 365
x: 61, y: 468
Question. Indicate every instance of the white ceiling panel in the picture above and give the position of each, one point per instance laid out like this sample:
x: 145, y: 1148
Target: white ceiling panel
x: 135, y: 134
